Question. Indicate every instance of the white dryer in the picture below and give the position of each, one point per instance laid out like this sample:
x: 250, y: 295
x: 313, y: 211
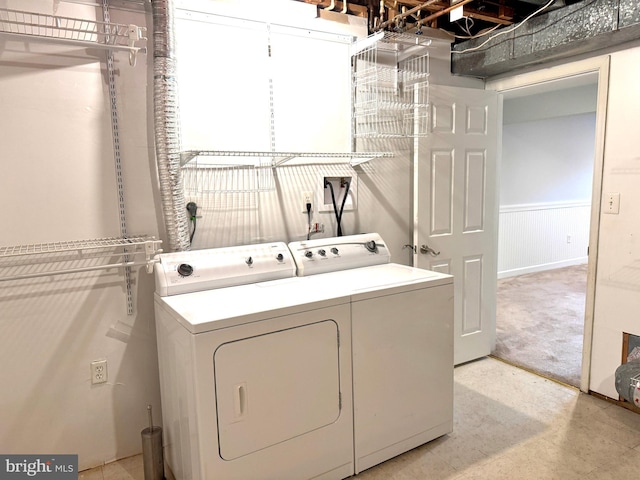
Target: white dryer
x: 402, y: 342
x: 255, y: 369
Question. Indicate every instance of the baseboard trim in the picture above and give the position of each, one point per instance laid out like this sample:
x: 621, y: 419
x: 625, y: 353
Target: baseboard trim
x: 541, y: 268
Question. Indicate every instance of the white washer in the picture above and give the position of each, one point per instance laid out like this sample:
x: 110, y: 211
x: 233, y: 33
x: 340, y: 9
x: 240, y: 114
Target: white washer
x: 255, y: 369
x: 402, y: 342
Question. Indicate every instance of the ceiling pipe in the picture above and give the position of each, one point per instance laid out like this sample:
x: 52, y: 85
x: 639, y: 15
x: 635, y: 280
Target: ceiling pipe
x: 344, y: 6
x: 442, y: 12
x: 331, y: 6
x: 404, y: 14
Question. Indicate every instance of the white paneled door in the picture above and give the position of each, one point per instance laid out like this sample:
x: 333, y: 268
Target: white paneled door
x: 457, y: 229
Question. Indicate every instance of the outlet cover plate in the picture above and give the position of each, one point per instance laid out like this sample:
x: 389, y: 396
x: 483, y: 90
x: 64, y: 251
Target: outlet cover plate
x: 611, y: 203
x: 98, y: 372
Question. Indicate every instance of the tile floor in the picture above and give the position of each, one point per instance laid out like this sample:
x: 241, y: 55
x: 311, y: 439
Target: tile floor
x: 508, y: 424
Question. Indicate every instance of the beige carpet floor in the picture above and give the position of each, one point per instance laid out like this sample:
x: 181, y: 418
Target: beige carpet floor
x: 540, y: 322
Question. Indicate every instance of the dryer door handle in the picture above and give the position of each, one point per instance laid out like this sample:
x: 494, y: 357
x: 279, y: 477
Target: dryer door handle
x: 240, y: 400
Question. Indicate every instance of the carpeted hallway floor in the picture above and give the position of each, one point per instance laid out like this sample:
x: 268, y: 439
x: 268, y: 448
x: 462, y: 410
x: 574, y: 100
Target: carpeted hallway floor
x: 540, y: 322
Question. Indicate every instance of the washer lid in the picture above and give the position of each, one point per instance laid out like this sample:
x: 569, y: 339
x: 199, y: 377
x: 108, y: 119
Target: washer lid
x: 376, y: 280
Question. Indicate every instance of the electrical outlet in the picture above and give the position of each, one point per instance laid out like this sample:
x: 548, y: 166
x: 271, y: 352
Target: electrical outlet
x: 307, y: 197
x: 98, y: 371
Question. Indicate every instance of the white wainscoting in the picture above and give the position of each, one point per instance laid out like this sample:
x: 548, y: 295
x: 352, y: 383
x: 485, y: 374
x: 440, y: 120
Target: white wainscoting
x: 542, y: 236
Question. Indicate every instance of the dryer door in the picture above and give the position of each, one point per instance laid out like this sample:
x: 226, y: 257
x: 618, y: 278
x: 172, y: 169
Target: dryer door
x: 274, y: 387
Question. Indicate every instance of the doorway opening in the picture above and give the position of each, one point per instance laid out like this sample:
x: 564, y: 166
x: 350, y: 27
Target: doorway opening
x: 546, y: 189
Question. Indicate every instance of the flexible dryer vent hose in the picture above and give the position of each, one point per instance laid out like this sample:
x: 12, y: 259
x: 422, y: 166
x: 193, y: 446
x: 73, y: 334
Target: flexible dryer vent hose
x: 167, y: 126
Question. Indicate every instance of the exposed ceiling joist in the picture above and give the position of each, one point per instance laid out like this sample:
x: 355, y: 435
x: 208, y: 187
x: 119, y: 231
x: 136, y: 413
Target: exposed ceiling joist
x: 352, y: 8
x: 478, y: 15
x: 444, y: 11
x: 471, y: 13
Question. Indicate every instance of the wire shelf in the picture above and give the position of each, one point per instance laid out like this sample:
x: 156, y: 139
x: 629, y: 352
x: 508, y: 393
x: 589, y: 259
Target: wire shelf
x: 76, y: 245
x: 391, y: 86
x: 125, y: 251
x: 271, y: 159
x: 402, y: 41
x: 77, y: 31
x: 205, y: 179
x: 228, y: 171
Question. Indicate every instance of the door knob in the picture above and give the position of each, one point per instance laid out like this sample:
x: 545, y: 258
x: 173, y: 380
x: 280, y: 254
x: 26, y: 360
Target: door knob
x: 427, y: 250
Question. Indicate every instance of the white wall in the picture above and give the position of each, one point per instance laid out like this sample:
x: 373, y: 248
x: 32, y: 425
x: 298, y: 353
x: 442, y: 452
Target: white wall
x: 617, y: 301
x: 548, y: 160
x: 58, y: 183
x: 546, y: 180
x: 560, y: 102
x: 225, y: 105
x: 538, y: 237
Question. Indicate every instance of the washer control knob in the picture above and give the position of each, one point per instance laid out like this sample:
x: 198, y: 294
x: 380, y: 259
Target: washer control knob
x: 308, y: 254
x: 184, y: 269
x: 322, y: 252
x: 249, y: 261
x: 280, y: 257
x: 371, y: 246
x: 334, y: 250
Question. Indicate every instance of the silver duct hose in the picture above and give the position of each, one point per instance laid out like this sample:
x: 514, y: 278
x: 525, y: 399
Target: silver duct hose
x: 167, y: 126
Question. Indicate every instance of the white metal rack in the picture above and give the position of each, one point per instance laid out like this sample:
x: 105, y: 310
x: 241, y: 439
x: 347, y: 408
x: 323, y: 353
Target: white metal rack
x: 25, y: 25
x: 391, y: 86
x: 213, y: 171
x: 275, y: 159
x: 57, y: 258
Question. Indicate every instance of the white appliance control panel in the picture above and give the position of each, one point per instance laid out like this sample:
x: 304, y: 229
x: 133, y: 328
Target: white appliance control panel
x: 197, y: 270
x: 339, y: 253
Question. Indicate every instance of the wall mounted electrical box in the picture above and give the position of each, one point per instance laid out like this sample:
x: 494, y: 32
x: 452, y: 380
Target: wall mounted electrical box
x: 342, y: 185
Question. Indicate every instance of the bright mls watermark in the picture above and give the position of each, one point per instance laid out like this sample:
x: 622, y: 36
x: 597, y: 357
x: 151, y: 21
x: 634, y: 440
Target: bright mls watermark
x: 49, y: 467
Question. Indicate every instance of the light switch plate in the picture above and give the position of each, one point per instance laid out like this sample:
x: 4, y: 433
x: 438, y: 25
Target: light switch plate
x: 612, y: 203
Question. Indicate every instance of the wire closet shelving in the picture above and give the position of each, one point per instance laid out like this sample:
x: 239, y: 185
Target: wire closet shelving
x: 215, y: 171
x: 391, y: 85
x: 57, y: 258
x: 23, y: 25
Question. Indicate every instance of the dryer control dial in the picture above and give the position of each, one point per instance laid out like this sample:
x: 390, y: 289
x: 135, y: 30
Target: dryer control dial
x: 371, y: 246
x: 322, y: 252
x: 335, y: 251
x: 308, y: 254
x: 184, y: 269
x: 249, y: 261
x: 280, y: 257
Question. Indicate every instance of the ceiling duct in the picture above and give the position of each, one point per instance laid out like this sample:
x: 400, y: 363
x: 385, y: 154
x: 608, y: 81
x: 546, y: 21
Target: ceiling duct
x: 580, y: 28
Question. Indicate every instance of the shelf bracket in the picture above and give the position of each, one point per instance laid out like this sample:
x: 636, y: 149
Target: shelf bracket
x: 151, y: 248
x: 135, y: 35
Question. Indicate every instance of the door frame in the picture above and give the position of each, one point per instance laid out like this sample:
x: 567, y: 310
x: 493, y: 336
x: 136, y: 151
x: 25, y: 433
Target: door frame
x: 600, y: 66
